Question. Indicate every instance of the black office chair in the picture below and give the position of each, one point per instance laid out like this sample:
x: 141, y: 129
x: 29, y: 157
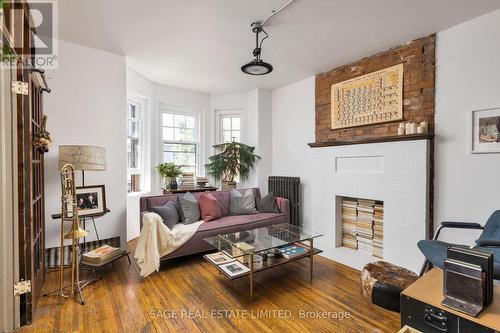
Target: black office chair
x: 435, y: 251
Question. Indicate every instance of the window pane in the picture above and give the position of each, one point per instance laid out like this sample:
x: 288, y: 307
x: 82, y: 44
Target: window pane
x: 131, y: 111
x: 236, y: 136
x: 190, y: 135
x: 180, y: 121
x: 133, y: 153
x: 189, y: 169
x: 133, y: 128
x: 190, y: 122
x: 180, y: 134
x: 236, y: 123
x: 168, y: 133
x: 226, y: 124
x: 168, y: 119
x: 226, y: 136
x: 180, y: 154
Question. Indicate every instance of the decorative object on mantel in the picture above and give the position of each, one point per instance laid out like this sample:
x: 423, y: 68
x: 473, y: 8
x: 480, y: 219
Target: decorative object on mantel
x: 233, y: 159
x: 373, y: 98
x: 169, y: 172
x: 407, y: 128
x: 485, y: 131
x: 42, y: 140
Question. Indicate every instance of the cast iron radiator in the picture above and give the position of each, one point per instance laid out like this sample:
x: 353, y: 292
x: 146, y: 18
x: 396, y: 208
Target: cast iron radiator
x: 289, y: 188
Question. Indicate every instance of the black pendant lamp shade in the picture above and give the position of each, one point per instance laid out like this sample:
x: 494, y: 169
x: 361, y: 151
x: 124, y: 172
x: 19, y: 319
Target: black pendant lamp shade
x: 257, y: 66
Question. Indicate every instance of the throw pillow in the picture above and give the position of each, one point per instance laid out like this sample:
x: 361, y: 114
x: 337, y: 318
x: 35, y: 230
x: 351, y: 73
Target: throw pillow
x: 242, y: 204
x: 209, y: 207
x: 267, y: 204
x: 189, y: 207
x: 169, y: 214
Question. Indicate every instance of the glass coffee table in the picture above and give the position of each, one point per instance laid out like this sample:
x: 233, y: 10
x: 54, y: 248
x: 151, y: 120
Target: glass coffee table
x: 246, y: 252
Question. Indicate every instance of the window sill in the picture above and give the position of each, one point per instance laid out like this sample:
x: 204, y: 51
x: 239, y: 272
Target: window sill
x: 137, y: 194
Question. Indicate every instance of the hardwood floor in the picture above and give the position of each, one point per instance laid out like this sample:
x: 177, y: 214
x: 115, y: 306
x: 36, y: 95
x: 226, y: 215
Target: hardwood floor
x: 188, y: 295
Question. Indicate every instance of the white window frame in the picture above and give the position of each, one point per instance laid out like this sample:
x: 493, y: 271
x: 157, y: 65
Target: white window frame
x: 141, y: 104
x: 221, y: 114
x: 183, y: 111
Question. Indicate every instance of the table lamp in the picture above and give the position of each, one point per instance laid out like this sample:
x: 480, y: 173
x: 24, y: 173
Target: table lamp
x: 82, y: 157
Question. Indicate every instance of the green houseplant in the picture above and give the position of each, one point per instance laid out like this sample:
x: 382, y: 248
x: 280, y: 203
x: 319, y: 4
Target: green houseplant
x: 169, y: 172
x: 231, y: 159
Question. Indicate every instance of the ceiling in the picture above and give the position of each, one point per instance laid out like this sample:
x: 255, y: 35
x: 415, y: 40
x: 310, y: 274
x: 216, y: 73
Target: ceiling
x: 201, y: 44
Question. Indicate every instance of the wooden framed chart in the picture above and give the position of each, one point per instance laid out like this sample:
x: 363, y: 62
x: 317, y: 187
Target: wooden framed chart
x: 373, y: 98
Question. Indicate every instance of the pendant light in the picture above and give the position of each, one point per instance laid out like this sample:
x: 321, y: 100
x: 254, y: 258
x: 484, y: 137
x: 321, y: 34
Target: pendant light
x: 257, y: 66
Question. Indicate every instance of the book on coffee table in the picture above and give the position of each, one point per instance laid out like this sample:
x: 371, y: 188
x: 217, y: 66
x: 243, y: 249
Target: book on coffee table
x: 219, y: 258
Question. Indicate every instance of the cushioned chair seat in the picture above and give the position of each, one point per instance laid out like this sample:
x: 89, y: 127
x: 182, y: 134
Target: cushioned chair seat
x: 232, y: 221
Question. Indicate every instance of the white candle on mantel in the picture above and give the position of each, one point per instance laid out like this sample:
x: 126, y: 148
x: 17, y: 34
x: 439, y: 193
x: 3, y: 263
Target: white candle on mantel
x: 413, y: 128
x: 425, y: 126
x: 407, y: 128
x: 420, y: 129
x: 401, y: 130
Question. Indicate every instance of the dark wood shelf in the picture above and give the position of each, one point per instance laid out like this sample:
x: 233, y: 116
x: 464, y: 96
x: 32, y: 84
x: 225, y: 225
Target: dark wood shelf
x: 409, y: 137
x: 269, y: 263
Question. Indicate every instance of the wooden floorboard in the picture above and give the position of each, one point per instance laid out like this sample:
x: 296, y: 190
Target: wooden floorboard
x: 191, y: 289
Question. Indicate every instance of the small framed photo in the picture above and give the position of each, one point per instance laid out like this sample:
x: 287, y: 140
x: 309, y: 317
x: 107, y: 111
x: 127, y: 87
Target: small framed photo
x: 485, y: 131
x: 91, y: 200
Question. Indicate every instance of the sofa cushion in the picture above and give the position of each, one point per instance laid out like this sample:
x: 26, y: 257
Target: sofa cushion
x: 267, y: 204
x: 242, y: 204
x: 209, y: 207
x: 169, y: 214
x: 237, y: 221
x: 190, y: 209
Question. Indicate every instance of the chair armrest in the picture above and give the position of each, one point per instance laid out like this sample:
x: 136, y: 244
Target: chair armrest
x: 284, y: 207
x: 461, y: 225
x: 488, y: 242
x: 457, y: 225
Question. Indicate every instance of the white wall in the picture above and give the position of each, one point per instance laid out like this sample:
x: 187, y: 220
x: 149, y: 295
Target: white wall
x: 87, y: 106
x: 467, y: 78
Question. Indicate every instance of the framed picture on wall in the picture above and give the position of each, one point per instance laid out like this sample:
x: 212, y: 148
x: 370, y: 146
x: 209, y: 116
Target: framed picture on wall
x: 91, y: 200
x: 485, y: 131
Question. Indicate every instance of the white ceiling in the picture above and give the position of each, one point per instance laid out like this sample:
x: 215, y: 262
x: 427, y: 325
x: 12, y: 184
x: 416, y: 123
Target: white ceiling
x: 201, y: 44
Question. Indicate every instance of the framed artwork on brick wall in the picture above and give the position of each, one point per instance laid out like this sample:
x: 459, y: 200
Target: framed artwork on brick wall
x: 485, y: 131
x: 372, y: 98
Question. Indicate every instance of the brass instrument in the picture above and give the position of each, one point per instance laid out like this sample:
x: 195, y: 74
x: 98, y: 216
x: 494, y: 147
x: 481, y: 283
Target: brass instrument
x: 70, y: 212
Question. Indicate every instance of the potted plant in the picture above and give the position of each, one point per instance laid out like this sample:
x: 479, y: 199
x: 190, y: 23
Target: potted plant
x: 169, y: 172
x: 232, y: 159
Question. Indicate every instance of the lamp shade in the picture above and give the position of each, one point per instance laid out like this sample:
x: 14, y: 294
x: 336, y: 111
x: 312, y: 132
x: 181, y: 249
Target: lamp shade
x: 82, y: 157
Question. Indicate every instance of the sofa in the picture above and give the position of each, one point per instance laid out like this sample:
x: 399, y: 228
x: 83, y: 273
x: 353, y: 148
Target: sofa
x: 226, y: 224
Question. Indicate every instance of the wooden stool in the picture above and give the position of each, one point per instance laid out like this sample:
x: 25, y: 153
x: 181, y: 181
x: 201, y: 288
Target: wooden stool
x: 382, y: 283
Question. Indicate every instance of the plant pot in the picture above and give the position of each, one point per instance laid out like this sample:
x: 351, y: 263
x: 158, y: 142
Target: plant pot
x: 171, y: 183
x: 226, y: 185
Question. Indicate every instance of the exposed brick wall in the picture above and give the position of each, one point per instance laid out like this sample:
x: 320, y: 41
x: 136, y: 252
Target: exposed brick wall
x: 418, y: 58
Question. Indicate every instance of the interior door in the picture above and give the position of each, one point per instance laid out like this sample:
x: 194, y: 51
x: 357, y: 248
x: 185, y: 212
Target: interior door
x: 9, y: 305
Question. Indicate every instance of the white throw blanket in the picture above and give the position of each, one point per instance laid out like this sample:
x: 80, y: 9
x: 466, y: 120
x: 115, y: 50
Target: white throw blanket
x: 157, y: 240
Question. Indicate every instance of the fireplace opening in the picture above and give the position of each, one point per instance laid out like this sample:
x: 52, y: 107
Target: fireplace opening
x: 363, y: 225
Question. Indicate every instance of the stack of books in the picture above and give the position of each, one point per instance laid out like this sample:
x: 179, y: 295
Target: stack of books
x: 101, y: 255
x: 364, y: 226
x: 201, y: 181
x: 378, y: 230
x: 349, y: 217
x: 187, y: 180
